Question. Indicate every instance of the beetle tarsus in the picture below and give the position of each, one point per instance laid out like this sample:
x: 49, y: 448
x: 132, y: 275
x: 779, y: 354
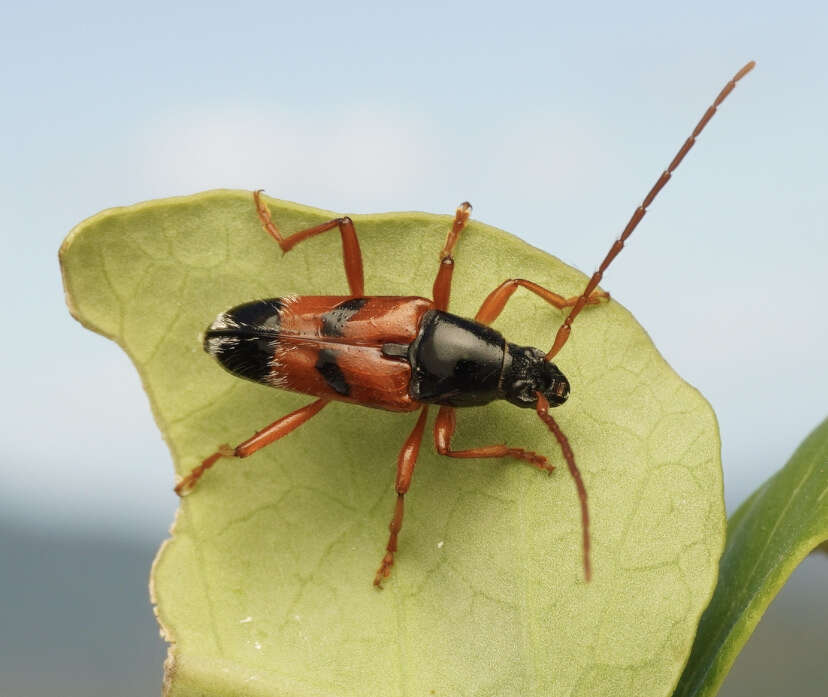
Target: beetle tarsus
x: 532, y: 458
x: 384, y: 570
x: 187, y: 484
x: 597, y: 297
x: 395, y: 525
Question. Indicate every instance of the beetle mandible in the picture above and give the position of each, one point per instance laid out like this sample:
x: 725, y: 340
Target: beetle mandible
x: 403, y: 354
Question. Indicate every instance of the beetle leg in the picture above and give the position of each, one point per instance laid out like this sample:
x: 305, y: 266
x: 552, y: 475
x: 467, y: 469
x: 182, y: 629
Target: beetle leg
x: 350, y: 244
x: 442, y: 284
x: 444, y: 427
x: 493, y: 305
x: 405, y: 468
x: 266, y: 436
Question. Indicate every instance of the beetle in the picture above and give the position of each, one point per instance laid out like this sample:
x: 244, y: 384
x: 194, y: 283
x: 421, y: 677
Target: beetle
x: 403, y: 354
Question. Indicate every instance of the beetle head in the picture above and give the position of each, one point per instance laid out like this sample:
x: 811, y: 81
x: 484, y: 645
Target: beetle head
x: 528, y: 373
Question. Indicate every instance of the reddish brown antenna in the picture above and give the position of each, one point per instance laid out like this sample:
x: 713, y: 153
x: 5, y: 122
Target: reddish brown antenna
x: 543, y: 411
x: 566, y: 327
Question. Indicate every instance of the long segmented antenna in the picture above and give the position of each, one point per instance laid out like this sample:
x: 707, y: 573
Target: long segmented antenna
x: 543, y: 411
x: 566, y: 327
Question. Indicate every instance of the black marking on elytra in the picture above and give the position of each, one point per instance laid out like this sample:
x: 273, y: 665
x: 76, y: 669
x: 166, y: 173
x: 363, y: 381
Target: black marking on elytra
x: 244, y: 338
x: 258, y: 315
x: 333, y: 321
x: 329, y: 369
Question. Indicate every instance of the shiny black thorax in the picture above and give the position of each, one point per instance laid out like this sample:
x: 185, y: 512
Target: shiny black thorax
x: 461, y: 363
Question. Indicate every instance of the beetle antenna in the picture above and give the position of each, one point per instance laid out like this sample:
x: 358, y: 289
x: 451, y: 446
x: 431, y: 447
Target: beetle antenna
x: 566, y: 327
x: 569, y: 456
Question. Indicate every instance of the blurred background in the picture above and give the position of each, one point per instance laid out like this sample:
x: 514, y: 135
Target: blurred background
x: 553, y: 120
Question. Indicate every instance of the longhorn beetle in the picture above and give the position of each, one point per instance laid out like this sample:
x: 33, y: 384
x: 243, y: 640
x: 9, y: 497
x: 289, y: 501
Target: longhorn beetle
x: 404, y: 353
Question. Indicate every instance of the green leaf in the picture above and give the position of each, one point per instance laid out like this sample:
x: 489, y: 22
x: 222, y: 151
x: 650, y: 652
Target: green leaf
x: 265, y: 585
x: 767, y: 537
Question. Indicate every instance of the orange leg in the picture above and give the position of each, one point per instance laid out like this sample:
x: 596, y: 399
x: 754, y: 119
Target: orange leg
x: 493, y: 305
x: 350, y: 243
x: 405, y: 469
x: 266, y: 436
x: 444, y: 428
x: 442, y: 284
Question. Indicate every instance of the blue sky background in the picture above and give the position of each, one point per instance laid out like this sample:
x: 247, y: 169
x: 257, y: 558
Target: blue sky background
x: 553, y: 120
